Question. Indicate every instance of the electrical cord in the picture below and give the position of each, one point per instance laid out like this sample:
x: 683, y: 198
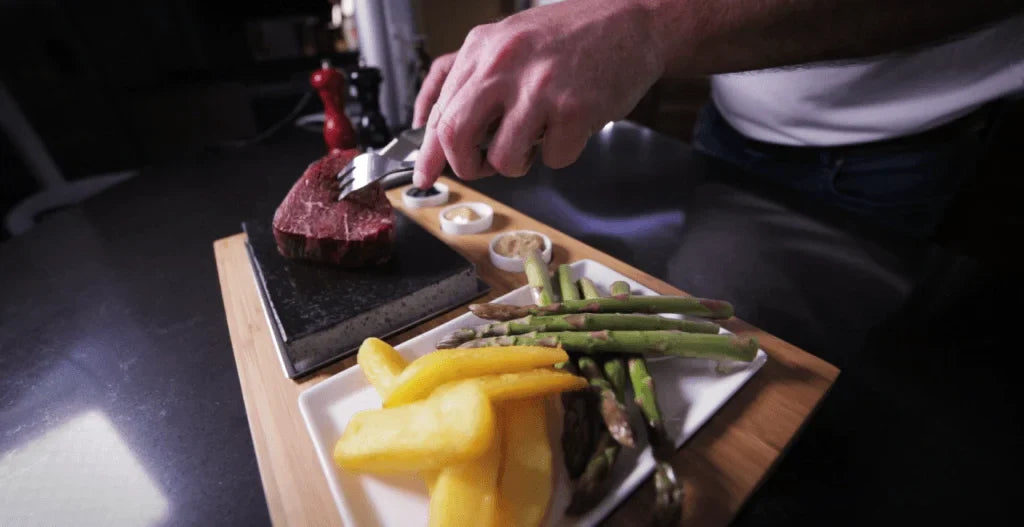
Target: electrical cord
x: 274, y: 128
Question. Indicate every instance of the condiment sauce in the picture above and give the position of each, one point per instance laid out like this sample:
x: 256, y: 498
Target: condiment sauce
x: 422, y: 193
x: 462, y: 214
x: 514, y: 244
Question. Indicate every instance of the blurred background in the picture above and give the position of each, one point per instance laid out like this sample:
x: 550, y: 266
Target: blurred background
x: 111, y: 86
x: 92, y: 92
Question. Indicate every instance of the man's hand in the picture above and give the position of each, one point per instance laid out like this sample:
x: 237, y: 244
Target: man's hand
x: 558, y: 72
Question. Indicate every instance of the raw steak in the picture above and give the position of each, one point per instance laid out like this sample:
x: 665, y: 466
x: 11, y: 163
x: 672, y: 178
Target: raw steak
x: 311, y: 224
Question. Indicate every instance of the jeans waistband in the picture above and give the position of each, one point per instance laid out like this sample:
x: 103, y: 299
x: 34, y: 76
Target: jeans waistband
x: 975, y: 121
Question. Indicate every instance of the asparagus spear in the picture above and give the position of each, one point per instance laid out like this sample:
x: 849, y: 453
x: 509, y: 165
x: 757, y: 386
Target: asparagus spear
x: 579, y: 422
x: 643, y: 389
x: 616, y: 419
x: 580, y: 430
x: 685, y: 305
x: 668, y: 491
x: 668, y: 500
x: 658, y: 342
x: 615, y: 368
x: 588, y: 489
x: 568, y: 287
x: 615, y: 371
x: 619, y: 290
x: 574, y: 322
x: 538, y: 278
x: 588, y: 288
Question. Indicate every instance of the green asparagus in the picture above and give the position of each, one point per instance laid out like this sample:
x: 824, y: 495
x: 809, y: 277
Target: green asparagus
x: 567, y: 286
x: 619, y: 290
x: 588, y: 288
x: 658, y: 343
x: 593, y: 482
x: 615, y: 371
x: 616, y: 419
x: 539, y: 279
x: 701, y: 307
x: 581, y: 426
x: 575, y: 322
x: 668, y: 491
x: 668, y: 497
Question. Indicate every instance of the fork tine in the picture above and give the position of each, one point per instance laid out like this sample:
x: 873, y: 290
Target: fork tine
x: 344, y: 190
x: 346, y: 173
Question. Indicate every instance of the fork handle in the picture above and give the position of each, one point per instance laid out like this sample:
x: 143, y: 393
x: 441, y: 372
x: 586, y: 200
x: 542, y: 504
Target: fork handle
x: 396, y: 178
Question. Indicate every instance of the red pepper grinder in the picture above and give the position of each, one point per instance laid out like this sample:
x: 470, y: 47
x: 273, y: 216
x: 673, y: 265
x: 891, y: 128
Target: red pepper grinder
x: 338, y: 131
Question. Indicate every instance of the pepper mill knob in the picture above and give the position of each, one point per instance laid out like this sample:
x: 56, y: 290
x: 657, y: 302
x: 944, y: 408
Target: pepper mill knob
x: 330, y: 85
x: 373, y: 128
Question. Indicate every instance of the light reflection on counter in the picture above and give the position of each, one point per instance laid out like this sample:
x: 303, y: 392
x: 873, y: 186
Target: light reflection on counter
x: 79, y: 473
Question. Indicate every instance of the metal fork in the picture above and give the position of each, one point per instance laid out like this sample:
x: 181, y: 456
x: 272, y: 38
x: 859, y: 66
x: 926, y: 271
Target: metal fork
x: 388, y: 165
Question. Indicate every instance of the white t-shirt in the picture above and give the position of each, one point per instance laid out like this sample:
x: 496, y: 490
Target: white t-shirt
x: 899, y: 94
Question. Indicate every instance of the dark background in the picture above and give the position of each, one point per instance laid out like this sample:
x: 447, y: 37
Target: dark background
x: 114, y: 84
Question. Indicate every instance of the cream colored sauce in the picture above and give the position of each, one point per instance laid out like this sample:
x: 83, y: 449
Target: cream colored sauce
x: 514, y: 244
x: 462, y: 215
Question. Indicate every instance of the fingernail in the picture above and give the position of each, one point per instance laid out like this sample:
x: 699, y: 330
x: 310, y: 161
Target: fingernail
x: 418, y: 178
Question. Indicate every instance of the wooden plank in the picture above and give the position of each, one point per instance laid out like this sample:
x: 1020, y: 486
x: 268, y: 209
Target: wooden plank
x: 721, y: 465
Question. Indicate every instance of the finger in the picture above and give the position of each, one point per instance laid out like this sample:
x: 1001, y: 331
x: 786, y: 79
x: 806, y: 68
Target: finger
x: 430, y: 160
x: 462, y: 128
x: 563, y: 143
x: 431, y: 88
x: 512, y: 150
x: 460, y: 73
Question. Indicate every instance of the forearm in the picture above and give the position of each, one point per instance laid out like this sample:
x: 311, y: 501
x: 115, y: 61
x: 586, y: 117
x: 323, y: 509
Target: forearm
x: 717, y: 36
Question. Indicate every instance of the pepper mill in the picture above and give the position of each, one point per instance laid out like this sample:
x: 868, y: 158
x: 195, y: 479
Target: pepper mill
x: 330, y: 84
x: 373, y: 129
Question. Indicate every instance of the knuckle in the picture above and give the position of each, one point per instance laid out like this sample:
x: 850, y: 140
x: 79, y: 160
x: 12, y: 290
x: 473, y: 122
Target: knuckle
x: 541, y: 80
x: 446, y: 132
x: 440, y: 67
x: 508, y: 48
x: 503, y: 161
x: 569, y: 109
x: 478, y: 34
x: 562, y: 156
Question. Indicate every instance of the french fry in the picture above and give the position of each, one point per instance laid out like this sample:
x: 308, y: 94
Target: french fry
x: 467, y: 493
x: 521, y: 385
x: 425, y: 374
x: 457, y: 426
x: 381, y: 364
x: 525, y: 485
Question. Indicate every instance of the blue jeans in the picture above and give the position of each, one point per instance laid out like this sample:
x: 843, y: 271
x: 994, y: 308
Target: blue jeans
x: 905, y: 184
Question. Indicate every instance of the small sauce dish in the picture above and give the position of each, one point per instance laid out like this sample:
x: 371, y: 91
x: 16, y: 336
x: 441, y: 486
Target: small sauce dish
x: 466, y: 218
x: 414, y: 199
x: 514, y: 264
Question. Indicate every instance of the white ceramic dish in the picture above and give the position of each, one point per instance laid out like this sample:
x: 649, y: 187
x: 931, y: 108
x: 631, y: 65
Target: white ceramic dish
x: 515, y: 264
x: 427, y: 201
x: 485, y: 211
x: 690, y: 392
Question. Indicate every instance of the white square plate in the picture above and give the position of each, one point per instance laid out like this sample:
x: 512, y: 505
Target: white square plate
x: 689, y: 391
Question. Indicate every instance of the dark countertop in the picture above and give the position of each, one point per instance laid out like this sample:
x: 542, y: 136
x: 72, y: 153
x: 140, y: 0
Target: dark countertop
x: 117, y: 371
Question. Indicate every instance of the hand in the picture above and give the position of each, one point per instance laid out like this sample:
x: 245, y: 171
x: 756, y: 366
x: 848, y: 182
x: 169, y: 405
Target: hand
x: 560, y: 71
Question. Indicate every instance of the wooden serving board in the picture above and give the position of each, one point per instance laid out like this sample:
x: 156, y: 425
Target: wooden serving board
x: 721, y: 465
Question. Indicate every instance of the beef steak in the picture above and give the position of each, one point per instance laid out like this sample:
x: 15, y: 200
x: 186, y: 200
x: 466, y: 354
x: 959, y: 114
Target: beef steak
x: 311, y: 224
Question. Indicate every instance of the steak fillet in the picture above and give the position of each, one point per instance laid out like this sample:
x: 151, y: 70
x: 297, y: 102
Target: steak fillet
x: 311, y: 224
